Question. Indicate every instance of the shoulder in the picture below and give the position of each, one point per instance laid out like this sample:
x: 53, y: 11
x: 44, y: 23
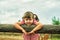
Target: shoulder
x: 21, y: 22
x: 35, y: 22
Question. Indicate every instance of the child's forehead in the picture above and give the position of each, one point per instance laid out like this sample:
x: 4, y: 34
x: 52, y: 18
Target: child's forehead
x: 28, y: 18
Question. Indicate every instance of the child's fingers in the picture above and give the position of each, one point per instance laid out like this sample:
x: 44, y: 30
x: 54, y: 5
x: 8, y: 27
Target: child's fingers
x: 25, y: 33
x: 31, y: 33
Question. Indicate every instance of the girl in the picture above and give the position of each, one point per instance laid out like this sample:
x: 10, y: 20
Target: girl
x: 37, y: 19
x: 46, y: 36
x: 28, y: 19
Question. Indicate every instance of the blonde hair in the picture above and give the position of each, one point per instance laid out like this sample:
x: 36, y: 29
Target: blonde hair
x: 28, y: 14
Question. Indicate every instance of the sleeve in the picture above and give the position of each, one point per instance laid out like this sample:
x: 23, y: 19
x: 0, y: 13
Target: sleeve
x: 22, y: 22
x: 35, y: 22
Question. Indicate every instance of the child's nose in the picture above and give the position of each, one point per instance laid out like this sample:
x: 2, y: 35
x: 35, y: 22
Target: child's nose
x: 28, y: 20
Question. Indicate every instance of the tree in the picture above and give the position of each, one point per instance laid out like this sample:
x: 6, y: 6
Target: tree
x: 55, y: 21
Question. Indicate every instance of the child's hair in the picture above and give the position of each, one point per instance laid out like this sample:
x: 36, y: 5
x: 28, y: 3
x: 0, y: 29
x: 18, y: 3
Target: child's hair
x: 36, y: 18
x: 28, y: 14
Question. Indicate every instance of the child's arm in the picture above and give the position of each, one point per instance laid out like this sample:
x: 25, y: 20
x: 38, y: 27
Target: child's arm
x: 17, y: 25
x: 39, y: 26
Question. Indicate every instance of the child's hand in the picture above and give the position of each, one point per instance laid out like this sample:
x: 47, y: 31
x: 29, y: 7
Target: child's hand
x: 24, y: 32
x: 31, y: 32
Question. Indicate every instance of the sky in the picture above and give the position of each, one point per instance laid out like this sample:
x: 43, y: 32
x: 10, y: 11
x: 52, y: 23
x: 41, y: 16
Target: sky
x: 12, y: 10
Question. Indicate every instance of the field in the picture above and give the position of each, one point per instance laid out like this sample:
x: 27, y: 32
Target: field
x: 18, y: 36
x: 10, y: 36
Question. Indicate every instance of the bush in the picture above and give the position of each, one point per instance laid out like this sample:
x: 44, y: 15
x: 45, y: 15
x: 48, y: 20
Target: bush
x: 55, y: 21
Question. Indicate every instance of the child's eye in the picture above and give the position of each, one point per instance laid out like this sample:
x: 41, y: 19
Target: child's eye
x: 26, y: 19
x: 29, y: 19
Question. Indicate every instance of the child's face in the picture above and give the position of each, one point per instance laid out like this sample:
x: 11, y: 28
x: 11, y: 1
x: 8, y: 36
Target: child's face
x: 28, y: 20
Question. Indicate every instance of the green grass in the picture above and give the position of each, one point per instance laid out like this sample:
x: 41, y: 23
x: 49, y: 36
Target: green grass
x: 55, y: 38
x: 18, y: 36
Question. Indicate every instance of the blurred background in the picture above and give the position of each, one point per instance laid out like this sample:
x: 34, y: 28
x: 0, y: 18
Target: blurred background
x: 12, y: 11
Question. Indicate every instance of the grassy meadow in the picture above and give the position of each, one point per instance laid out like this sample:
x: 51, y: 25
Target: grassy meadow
x: 18, y: 36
